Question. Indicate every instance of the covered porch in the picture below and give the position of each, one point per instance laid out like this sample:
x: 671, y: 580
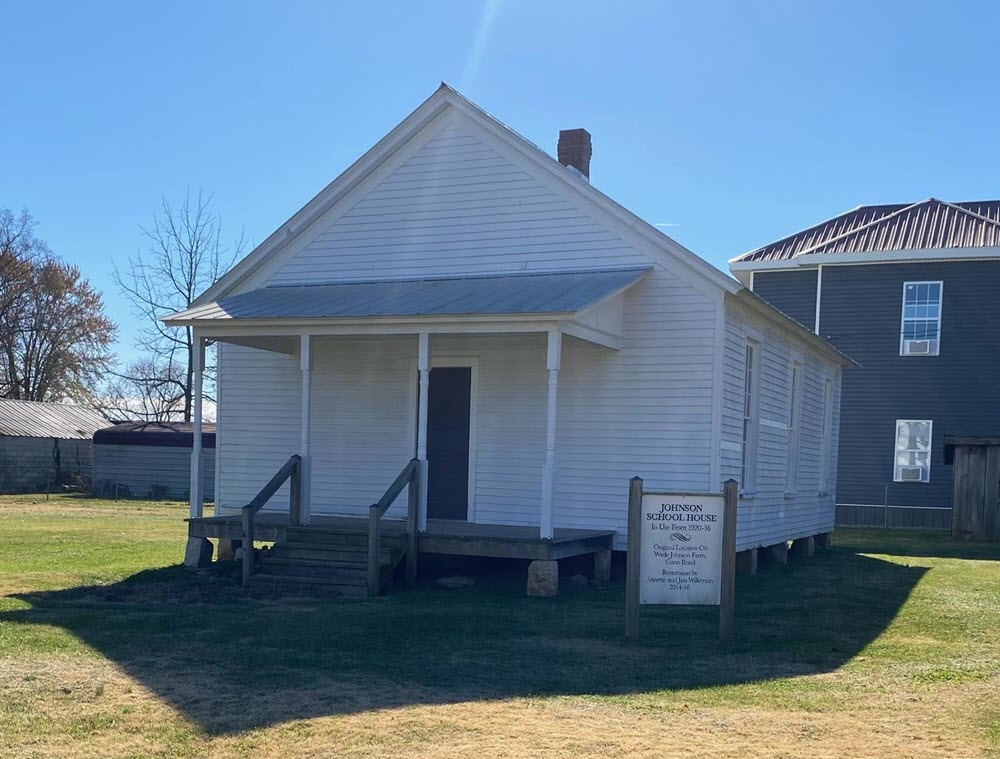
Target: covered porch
x: 444, y: 324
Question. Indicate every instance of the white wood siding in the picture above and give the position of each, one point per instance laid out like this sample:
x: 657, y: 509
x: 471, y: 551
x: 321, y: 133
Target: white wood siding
x: 456, y: 207
x: 361, y: 426
x: 771, y: 513
x: 645, y: 410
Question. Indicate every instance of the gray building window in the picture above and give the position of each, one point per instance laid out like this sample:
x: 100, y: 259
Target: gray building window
x: 921, y: 328
x: 913, y: 450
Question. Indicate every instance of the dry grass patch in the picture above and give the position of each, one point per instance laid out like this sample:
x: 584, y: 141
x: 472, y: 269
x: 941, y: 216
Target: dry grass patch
x: 96, y: 711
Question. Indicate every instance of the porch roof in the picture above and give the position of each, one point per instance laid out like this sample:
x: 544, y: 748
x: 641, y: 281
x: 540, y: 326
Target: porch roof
x: 535, y: 294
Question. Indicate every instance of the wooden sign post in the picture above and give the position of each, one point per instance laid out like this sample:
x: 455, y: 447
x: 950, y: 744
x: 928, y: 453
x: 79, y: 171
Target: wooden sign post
x: 682, y: 551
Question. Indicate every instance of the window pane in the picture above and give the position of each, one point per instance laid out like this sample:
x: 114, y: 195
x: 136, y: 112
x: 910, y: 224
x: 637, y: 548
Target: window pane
x: 905, y: 434
x: 913, y: 436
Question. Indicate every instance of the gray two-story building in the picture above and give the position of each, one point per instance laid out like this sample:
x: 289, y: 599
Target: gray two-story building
x: 912, y: 293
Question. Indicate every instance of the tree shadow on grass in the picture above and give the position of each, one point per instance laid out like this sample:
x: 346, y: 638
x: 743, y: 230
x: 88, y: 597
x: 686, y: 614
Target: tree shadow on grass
x: 233, y: 663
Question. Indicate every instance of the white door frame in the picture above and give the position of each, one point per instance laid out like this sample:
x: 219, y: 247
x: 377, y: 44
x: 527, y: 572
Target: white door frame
x: 455, y: 361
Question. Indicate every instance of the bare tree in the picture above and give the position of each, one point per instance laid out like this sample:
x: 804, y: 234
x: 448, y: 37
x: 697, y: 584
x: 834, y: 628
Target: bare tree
x: 144, y: 391
x: 186, y: 255
x: 54, y: 337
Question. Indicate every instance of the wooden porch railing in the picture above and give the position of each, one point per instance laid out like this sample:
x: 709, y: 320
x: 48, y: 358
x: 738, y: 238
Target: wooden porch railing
x: 409, y: 476
x: 293, y: 469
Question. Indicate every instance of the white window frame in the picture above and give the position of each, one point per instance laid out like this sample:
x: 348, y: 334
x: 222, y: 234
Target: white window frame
x: 896, y: 450
x: 904, y: 344
x: 750, y: 430
x: 794, y: 426
x: 826, y: 437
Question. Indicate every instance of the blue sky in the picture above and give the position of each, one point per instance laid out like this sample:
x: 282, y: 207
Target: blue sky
x: 733, y: 122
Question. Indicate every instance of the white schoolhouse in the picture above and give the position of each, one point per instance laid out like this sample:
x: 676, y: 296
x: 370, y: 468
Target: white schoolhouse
x: 460, y: 298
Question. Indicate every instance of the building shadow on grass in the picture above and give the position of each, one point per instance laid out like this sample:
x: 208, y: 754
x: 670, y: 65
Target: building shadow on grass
x: 233, y: 663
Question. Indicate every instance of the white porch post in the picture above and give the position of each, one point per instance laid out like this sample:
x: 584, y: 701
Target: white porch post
x: 196, y: 490
x: 305, y: 364
x: 548, y: 470
x: 424, y: 368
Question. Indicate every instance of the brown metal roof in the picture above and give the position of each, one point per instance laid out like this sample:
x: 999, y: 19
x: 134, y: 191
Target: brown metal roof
x: 61, y: 420
x: 929, y: 224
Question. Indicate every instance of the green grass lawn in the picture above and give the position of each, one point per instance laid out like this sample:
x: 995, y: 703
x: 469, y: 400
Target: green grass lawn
x: 887, y: 645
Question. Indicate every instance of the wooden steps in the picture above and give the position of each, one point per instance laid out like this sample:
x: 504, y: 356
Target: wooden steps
x: 326, y: 560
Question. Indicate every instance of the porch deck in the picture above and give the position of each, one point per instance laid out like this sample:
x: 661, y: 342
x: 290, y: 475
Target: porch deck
x: 444, y: 536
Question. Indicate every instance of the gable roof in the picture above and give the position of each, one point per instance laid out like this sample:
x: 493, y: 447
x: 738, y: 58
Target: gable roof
x: 443, y: 98
x: 703, y: 275
x: 931, y: 224
x: 58, y: 420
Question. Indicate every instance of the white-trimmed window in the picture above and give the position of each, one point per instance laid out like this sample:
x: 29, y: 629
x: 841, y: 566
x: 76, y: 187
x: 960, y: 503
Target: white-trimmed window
x: 794, y: 428
x: 913, y: 450
x: 751, y: 406
x: 826, y: 437
x: 920, y: 334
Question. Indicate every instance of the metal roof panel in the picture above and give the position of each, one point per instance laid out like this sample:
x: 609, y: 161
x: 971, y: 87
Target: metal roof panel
x: 536, y: 293
x: 56, y: 420
x: 928, y: 225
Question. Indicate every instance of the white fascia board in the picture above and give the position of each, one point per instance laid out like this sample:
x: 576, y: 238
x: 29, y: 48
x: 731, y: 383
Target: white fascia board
x: 905, y: 256
x: 372, y: 329
x: 242, y: 330
x: 792, y: 264
x: 923, y: 255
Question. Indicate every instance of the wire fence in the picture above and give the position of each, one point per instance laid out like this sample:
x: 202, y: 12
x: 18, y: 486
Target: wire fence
x: 859, y: 503
x: 44, y: 477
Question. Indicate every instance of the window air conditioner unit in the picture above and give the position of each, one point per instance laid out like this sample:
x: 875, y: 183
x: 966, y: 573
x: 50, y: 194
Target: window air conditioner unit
x: 911, y: 474
x: 917, y: 347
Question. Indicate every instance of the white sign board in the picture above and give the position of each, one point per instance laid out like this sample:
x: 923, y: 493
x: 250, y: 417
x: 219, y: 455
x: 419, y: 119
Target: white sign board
x: 680, y: 549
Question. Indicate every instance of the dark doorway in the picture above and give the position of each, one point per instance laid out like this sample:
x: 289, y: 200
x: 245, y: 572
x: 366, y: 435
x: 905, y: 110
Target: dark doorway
x: 448, y: 416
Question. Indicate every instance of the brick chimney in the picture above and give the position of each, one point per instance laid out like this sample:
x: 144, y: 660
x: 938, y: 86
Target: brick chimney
x: 574, y: 151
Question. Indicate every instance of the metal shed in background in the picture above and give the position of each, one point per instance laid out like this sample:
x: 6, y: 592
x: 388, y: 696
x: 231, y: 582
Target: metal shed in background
x: 976, y: 506
x: 45, y: 445
x: 151, y: 460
